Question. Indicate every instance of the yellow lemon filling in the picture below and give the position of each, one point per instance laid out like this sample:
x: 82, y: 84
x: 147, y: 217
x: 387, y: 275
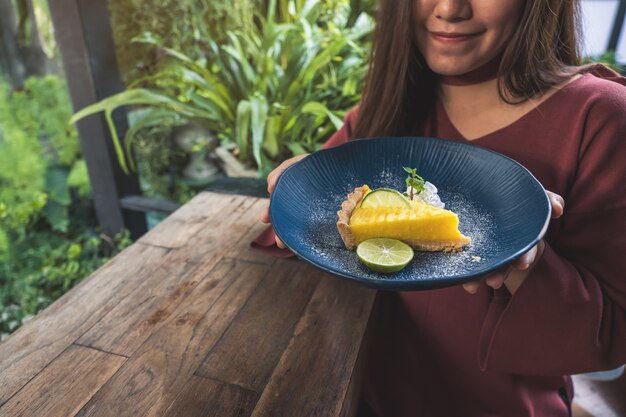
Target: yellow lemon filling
x: 421, y: 225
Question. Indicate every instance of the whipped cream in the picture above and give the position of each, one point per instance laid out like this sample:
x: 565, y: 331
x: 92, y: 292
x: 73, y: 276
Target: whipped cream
x: 428, y: 196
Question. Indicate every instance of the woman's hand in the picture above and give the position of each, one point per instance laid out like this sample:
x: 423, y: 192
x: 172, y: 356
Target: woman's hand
x: 512, y: 276
x: 271, y: 184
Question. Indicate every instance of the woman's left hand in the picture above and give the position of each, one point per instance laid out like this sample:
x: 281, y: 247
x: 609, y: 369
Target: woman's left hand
x: 512, y: 276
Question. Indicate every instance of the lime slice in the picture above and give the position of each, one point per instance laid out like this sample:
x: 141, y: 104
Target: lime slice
x: 384, y: 255
x: 385, y: 197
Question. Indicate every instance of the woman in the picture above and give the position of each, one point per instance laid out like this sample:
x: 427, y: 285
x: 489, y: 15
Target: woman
x: 505, y: 75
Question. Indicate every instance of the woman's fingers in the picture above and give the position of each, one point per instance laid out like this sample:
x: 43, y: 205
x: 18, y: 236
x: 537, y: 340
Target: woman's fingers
x: 497, y: 279
x: 265, y: 215
x: 273, y: 176
x: 472, y: 286
x: 558, y: 204
x: 526, y: 259
x: 494, y: 280
x: 265, y: 218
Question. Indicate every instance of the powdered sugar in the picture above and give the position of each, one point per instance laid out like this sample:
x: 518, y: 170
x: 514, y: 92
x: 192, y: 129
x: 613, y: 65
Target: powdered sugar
x: 324, y: 241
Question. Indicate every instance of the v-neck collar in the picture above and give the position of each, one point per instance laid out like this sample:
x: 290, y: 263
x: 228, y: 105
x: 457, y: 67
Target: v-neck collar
x: 443, y: 119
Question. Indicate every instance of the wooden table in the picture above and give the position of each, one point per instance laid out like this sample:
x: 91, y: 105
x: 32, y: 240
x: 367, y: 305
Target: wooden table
x: 191, y: 321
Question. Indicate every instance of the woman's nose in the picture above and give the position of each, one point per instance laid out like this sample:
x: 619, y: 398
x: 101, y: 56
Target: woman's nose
x: 453, y: 10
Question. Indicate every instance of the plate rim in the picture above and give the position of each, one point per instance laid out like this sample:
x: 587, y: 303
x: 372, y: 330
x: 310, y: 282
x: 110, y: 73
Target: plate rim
x: 415, y: 285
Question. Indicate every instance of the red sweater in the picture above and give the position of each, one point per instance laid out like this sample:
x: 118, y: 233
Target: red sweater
x: 446, y: 353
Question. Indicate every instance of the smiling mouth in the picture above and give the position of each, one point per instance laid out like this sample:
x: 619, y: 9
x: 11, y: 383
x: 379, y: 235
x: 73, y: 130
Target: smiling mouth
x: 448, y: 38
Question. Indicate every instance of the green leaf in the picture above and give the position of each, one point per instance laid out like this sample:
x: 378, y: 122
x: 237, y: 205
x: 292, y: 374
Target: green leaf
x: 258, y: 118
x: 318, y: 108
x: 57, y: 215
x: 73, y: 252
x: 78, y: 178
x: 242, y: 126
x: 296, y: 149
x: 57, y: 187
x: 237, y: 52
x: 135, y: 97
x: 270, y: 143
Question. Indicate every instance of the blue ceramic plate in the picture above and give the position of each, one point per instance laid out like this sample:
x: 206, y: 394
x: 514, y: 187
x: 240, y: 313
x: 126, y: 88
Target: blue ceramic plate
x: 501, y: 206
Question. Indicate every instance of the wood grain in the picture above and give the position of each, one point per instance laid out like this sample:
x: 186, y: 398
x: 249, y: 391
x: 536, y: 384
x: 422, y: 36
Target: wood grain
x: 190, y: 218
x: 26, y: 352
x: 599, y: 398
x: 353, y: 392
x: 209, y: 398
x: 249, y: 350
x: 133, y: 320
x: 336, y: 317
x: 191, y: 321
x: 65, y: 385
x: 151, y: 379
x: 243, y: 249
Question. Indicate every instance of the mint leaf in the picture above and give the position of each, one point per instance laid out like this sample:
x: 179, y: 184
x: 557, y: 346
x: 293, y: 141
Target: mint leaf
x: 414, y: 181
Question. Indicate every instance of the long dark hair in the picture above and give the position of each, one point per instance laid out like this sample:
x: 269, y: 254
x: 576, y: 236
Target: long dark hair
x: 400, y: 89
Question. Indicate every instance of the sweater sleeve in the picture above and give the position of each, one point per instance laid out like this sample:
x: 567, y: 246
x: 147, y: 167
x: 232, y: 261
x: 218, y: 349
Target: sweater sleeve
x: 345, y: 133
x: 569, y: 315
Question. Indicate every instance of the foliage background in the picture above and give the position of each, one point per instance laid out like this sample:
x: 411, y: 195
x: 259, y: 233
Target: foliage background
x: 49, y: 238
x: 275, y: 86
x: 186, y: 24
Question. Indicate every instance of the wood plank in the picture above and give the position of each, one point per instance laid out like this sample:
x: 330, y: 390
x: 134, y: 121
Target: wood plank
x: 352, y: 399
x: 599, y: 398
x: 578, y: 411
x: 334, y: 324
x: 224, y: 231
x: 152, y: 378
x: 137, y: 316
x: 133, y: 320
x: 26, y: 352
x: 209, y: 398
x: 65, y: 385
x: 185, y: 222
x: 243, y: 249
x: 248, y: 352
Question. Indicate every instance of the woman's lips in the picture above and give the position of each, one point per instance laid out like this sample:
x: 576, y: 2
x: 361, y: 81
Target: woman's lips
x: 450, y: 38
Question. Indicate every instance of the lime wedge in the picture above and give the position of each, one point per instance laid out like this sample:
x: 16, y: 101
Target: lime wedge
x: 384, y: 255
x: 385, y: 197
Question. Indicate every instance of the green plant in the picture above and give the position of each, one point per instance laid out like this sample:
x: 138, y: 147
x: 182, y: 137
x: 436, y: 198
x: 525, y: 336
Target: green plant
x: 608, y: 58
x: 277, y: 90
x: 184, y: 23
x: 37, y: 152
x: 159, y: 163
x: 45, y: 265
x: 48, y: 237
x: 22, y: 184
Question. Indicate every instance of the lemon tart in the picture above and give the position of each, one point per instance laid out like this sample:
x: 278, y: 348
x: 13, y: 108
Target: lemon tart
x: 365, y: 215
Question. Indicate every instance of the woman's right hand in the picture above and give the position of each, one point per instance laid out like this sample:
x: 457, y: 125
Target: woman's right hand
x: 271, y: 184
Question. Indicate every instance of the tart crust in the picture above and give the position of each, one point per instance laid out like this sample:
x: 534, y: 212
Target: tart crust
x: 347, y: 207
